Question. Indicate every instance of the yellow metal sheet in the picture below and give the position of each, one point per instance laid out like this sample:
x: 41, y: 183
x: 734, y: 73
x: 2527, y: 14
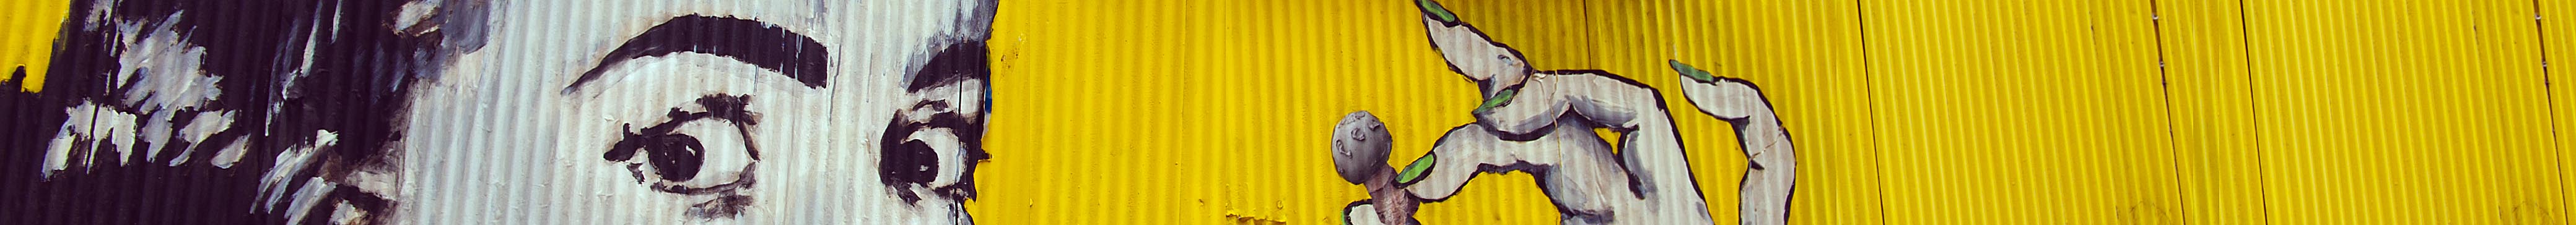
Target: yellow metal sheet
x: 2014, y: 112
x: 28, y: 42
x: 2402, y: 113
x: 2206, y: 90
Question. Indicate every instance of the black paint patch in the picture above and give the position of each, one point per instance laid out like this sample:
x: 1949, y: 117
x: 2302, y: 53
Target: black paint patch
x: 755, y: 42
x: 961, y: 61
x: 721, y: 207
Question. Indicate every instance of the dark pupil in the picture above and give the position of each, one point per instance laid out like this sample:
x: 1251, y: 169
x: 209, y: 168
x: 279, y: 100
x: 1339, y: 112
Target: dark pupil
x: 911, y: 162
x: 676, y: 156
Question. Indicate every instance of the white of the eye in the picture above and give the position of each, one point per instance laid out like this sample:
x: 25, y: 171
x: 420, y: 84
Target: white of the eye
x: 952, y: 157
x: 970, y: 98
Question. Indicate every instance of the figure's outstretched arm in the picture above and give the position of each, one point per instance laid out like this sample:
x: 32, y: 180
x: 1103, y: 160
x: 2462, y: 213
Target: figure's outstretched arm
x: 1459, y: 156
x: 1472, y: 149
x: 1601, y: 99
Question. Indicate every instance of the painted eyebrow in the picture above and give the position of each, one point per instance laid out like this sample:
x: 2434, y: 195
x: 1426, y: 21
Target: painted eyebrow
x: 761, y: 44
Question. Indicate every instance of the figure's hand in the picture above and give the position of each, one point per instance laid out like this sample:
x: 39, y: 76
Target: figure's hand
x: 1772, y: 158
x: 1471, y: 53
x: 1726, y: 98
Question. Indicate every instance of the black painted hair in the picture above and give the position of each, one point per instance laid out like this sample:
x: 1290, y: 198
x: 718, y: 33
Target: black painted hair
x: 355, y: 83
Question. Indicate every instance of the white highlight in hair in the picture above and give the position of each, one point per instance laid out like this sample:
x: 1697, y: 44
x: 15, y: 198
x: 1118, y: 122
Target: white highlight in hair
x: 197, y: 130
x: 413, y: 14
x: 231, y: 153
x: 166, y: 79
x: 274, y: 184
x: 89, y: 122
x: 344, y: 213
x: 305, y: 198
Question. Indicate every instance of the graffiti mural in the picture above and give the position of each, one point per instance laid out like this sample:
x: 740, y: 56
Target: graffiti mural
x: 1227, y: 112
x: 377, y: 112
x: 1542, y: 122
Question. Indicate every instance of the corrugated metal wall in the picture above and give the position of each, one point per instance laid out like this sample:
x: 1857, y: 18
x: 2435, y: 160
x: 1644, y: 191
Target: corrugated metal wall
x: 1906, y: 112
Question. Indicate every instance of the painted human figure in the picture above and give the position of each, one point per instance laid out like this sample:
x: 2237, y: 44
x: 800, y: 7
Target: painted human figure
x: 523, y: 112
x: 1542, y: 122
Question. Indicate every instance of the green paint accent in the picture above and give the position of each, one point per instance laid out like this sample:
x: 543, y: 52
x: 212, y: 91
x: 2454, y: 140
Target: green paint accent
x: 1436, y: 12
x: 1415, y: 171
x: 1692, y: 73
x: 1497, y: 101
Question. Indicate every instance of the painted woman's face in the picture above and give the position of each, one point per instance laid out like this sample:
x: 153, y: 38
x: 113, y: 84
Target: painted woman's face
x: 795, y: 112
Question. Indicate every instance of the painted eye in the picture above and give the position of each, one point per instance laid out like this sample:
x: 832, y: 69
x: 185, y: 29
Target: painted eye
x: 911, y: 162
x: 674, y: 149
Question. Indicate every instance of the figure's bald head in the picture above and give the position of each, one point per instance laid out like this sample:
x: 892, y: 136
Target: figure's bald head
x: 1360, y: 147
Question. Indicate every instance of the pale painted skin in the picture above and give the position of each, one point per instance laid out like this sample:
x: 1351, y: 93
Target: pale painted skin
x: 1764, y: 198
x: 493, y: 139
x: 1585, y: 179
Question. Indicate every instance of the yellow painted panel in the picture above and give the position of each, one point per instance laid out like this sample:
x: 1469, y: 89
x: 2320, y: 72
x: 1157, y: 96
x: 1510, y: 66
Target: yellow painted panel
x: 28, y: 42
x: 2558, y: 44
x: 2020, y: 112
x: 2396, y: 112
x: 1192, y: 112
x: 1168, y: 112
x: 2213, y: 127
